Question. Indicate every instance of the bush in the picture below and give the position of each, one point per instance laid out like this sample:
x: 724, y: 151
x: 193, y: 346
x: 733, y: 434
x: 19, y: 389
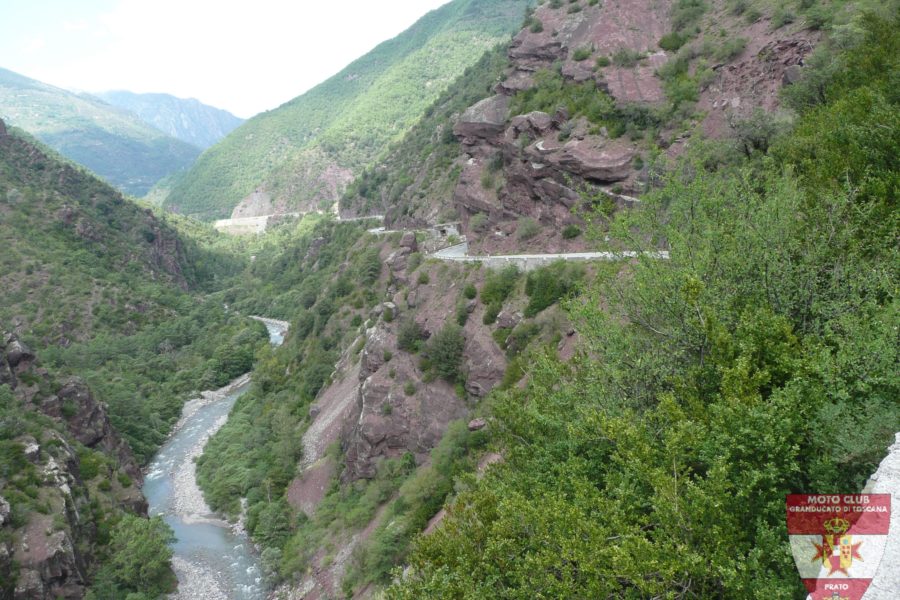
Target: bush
x: 730, y: 49
x: 445, y: 351
x: 478, y: 222
x: 424, y: 278
x: 671, y: 42
x: 547, y: 285
x: 409, y: 388
x: 410, y: 335
x: 582, y: 53
x: 470, y: 292
x: 603, y: 61
x: 537, y: 26
x: 490, y: 313
x: 527, y: 228
x: 570, y: 232
x: 498, y: 285
x: 625, y: 57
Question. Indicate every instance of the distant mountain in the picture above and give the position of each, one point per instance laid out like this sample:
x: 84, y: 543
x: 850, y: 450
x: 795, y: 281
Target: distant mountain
x: 113, y: 143
x: 189, y: 120
x: 302, y: 154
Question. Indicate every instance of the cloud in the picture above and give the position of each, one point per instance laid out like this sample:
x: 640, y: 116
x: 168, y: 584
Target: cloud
x: 246, y: 57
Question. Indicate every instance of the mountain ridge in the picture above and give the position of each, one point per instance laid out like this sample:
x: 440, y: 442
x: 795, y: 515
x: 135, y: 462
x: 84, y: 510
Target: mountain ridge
x: 186, y: 119
x: 109, y: 141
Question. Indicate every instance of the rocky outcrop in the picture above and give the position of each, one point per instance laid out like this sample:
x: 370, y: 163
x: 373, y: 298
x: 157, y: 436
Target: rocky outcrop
x: 50, y: 554
x: 483, y: 121
x: 88, y: 422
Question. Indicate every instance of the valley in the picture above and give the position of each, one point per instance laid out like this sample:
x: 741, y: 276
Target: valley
x: 562, y: 299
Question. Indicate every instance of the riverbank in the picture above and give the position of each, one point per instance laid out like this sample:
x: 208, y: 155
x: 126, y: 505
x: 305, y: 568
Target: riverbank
x: 213, y: 559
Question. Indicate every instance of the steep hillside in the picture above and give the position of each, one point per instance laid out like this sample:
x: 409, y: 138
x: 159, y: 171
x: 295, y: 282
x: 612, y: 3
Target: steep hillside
x: 188, y: 120
x: 592, y: 100
x: 112, y: 143
x: 303, y: 153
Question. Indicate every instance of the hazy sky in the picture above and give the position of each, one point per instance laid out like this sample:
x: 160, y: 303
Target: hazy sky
x: 245, y: 56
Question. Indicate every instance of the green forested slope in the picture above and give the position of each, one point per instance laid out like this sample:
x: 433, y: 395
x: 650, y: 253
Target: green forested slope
x: 760, y: 360
x: 107, y: 290
x: 349, y: 119
x: 111, y: 142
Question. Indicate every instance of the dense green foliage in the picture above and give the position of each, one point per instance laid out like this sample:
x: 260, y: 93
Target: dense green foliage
x: 349, y: 119
x: 98, y: 285
x: 112, y: 143
x: 138, y: 561
x: 759, y: 361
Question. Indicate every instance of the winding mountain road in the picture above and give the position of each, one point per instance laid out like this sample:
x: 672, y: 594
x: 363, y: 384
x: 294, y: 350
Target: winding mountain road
x: 460, y: 253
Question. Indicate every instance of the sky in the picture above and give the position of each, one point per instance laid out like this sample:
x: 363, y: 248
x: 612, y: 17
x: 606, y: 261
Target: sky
x: 245, y: 56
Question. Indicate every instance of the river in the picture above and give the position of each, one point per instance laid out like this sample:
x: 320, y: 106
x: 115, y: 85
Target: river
x: 212, y: 559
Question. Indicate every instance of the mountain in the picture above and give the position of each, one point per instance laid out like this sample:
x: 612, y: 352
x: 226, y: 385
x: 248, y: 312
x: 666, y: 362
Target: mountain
x: 188, y: 120
x: 301, y: 155
x: 111, y: 142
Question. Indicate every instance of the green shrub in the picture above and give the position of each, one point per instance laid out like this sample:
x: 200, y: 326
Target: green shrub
x: 410, y: 335
x: 527, y: 228
x: 469, y: 291
x: 625, y: 57
x: 582, y: 53
x: 570, y: 232
x: 387, y: 355
x: 671, y: 42
x: 730, y: 49
x: 387, y: 314
x: 424, y: 278
x: 536, y: 26
x: 491, y: 312
x: 547, y: 285
x: 478, y: 222
x: 498, y: 284
x: 445, y: 351
x: 603, y: 61
x: 409, y: 388
x: 413, y: 262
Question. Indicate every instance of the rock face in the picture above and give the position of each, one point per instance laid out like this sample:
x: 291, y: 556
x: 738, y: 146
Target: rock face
x: 396, y: 409
x: 48, y: 556
x: 88, y: 421
x: 886, y: 480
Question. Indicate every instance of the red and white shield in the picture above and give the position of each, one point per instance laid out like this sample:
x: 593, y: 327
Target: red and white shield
x: 837, y: 541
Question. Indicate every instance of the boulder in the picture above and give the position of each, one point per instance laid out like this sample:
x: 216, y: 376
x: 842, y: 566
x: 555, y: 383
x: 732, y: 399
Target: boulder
x: 18, y: 355
x: 485, y: 120
x: 5, y: 511
x: 791, y: 75
x: 477, y: 424
x: 508, y: 320
x: 409, y: 241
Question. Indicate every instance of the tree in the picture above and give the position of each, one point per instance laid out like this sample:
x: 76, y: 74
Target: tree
x: 445, y: 351
x: 139, y: 555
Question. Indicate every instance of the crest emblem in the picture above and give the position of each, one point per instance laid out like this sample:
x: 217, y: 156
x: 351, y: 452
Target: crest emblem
x: 837, y: 541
